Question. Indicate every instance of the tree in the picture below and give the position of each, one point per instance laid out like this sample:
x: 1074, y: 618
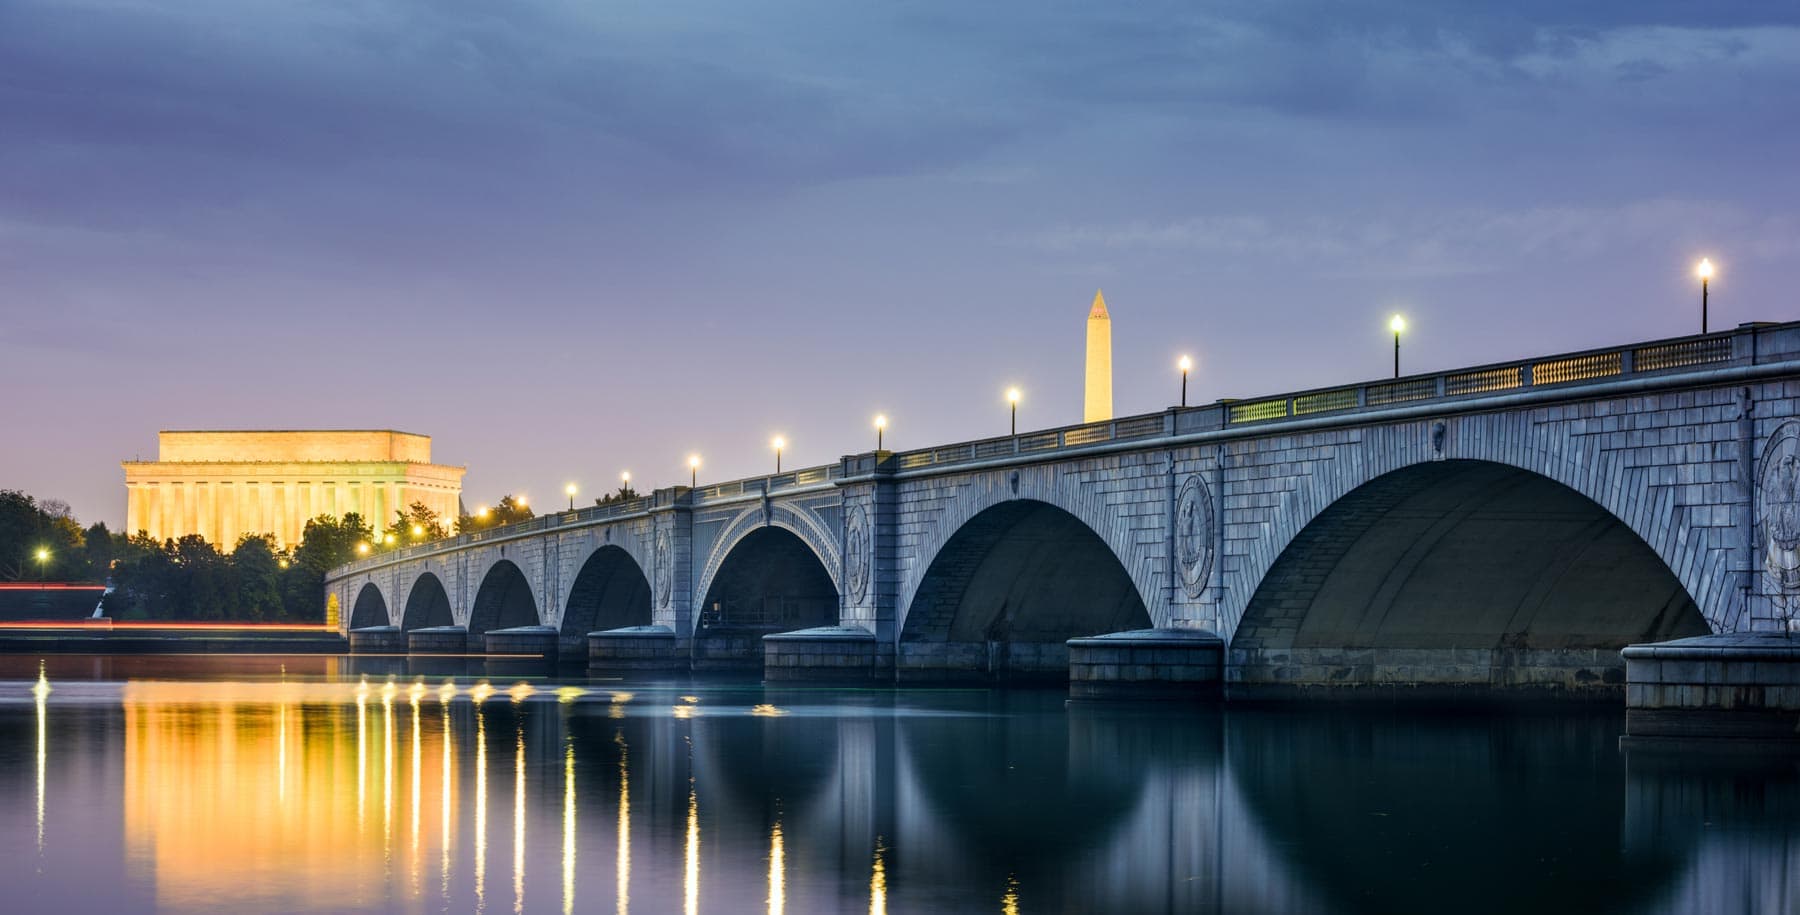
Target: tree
x: 326, y: 543
x: 258, y: 569
x: 416, y: 525
x: 625, y: 494
x: 510, y: 511
x: 30, y: 529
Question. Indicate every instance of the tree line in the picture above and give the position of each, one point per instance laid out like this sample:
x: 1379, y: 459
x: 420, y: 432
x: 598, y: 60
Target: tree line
x: 191, y: 579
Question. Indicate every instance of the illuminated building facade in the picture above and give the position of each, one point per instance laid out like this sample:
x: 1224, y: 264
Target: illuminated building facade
x: 223, y: 485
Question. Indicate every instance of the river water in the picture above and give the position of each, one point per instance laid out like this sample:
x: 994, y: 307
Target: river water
x: 295, y: 784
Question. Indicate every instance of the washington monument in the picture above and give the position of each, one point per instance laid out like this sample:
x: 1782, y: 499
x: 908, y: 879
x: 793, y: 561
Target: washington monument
x: 1099, y: 406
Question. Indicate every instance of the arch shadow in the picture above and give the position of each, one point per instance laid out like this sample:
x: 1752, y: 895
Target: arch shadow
x: 770, y: 581
x: 609, y: 592
x: 427, y: 605
x: 370, y: 608
x: 503, y: 601
x: 1008, y: 589
x: 1455, y: 574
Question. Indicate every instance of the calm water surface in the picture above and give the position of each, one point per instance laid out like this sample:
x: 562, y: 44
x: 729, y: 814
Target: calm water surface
x: 287, y: 784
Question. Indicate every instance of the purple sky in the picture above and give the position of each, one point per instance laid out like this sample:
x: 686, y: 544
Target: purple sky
x: 569, y: 238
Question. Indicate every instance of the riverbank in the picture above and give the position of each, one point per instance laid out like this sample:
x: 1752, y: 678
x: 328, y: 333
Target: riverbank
x: 104, y: 636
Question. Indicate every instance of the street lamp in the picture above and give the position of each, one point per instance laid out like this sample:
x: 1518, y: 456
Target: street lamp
x: 1397, y: 325
x: 389, y: 540
x: 880, y: 427
x: 569, y: 491
x: 1705, y: 272
x: 693, y: 470
x: 1012, y: 398
x: 362, y: 549
x: 418, y: 530
x: 1184, y: 363
x: 779, y: 444
x: 624, y: 481
x: 43, y: 558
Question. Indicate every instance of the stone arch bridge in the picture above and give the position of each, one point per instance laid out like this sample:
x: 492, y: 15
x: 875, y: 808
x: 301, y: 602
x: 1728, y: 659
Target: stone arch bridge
x: 1505, y: 526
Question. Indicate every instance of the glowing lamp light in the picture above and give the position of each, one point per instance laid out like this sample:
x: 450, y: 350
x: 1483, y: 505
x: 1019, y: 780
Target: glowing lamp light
x: 362, y: 549
x: 42, y: 554
x: 389, y: 540
x: 282, y: 563
x: 1012, y: 395
x: 521, y: 502
x: 482, y: 512
x: 779, y: 443
x: 418, y: 530
x: 1397, y: 325
x: 1705, y: 270
x: 569, y: 489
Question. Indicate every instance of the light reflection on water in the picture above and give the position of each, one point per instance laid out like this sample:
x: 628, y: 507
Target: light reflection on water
x: 241, y: 795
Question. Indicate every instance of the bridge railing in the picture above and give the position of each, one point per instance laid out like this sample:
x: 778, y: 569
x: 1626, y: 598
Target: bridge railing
x: 1589, y: 366
x: 1566, y: 369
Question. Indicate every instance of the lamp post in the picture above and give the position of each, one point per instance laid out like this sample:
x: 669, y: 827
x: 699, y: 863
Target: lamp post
x: 418, y: 531
x: 1184, y: 363
x: 779, y: 444
x: 693, y: 471
x: 880, y: 427
x: 1012, y: 398
x: 1397, y: 325
x: 624, y: 481
x: 1705, y: 272
x: 43, y: 559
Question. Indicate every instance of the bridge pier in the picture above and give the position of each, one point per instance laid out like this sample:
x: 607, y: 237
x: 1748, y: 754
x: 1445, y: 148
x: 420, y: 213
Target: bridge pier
x: 438, y: 640
x: 538, y: 641
x: 826, y: 654
x: 637, y: 648
x: 1147, y: 664
x: 377, y: 640
x: 1743, y: 685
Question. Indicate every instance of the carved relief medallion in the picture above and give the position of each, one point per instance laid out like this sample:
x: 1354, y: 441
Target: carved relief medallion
x: 1778, y: 513
x: 1193, y: 535
x: 856, y: 553
x: 664, y: 565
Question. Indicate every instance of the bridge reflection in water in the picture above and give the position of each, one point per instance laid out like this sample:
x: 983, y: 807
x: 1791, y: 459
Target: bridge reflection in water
x: 346, y: 796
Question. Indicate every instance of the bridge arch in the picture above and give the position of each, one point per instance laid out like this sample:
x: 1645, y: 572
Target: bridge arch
x: 1011, y: 586
x: 1064, y: 486
x: 802, y: 527
x: 427, y: 604
x: 1459, y: 572
x: 771, y: 580
x: 370, y: 609
x: 504, y: 600
x: 609, y: 591
x: 1638, y: 496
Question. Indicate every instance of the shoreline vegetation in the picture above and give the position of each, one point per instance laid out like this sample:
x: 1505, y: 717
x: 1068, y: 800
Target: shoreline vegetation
x: 252, y: 580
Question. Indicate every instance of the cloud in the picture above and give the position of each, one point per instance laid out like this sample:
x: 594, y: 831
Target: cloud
x: 1451, y: 243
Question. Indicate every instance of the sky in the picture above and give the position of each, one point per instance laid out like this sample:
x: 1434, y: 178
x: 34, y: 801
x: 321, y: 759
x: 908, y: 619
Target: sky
x: 567, y: 239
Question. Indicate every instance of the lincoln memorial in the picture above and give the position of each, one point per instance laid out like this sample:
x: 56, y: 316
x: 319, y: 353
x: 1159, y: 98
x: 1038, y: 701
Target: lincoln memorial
x: 223, y: 485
